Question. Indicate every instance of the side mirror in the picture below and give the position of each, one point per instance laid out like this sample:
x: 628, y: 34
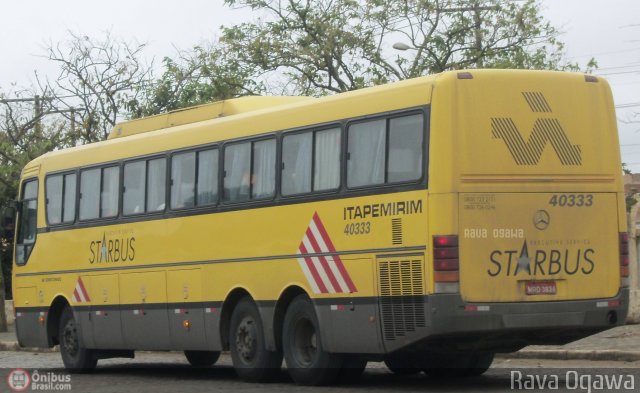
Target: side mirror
x: 8, y: 223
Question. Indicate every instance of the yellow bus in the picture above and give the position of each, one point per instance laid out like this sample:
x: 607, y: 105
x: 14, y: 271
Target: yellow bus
x: 428, y: 223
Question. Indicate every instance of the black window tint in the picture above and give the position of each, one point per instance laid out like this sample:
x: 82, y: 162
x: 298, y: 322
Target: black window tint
x: 156, y: 184
x: 109, y: 195
x: 183, y: 180
x: 263, y: 175
x: 89, y: 194
x: 326, y: 168
x: 405, y: 148
x: 134, y: 187
x: 69, y: 203
x: 366, y: 158
x: 207, y: 177
x: 237, y: 172
x: 296, y: 163
x: 54, y: 199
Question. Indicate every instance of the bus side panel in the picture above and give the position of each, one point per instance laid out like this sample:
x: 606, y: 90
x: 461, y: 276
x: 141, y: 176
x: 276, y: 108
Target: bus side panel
x: 144, y: 320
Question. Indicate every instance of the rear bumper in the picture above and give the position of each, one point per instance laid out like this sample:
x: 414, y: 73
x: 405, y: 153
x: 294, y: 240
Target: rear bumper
x: 504, y: 327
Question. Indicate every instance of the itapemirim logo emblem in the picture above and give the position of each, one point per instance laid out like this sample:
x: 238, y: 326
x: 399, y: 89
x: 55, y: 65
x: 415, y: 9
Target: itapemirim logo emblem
x: 545, y: 130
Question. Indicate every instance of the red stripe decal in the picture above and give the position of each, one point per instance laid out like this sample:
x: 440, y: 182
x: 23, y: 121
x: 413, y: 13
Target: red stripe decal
x: 84, y: 290
x: 336, y: 258
x: 314, y: 272
x: 323, y: 261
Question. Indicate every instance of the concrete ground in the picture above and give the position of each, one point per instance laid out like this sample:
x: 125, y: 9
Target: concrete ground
x: 617, y: 344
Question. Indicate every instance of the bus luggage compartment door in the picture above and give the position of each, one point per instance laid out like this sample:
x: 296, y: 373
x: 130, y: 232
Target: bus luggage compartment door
x: 538, y: 246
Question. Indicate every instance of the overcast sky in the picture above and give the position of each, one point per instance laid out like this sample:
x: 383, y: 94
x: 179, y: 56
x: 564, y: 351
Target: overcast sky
x: 608, y: 30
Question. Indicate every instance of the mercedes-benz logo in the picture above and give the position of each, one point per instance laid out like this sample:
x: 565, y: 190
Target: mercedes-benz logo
x: 541, y: 220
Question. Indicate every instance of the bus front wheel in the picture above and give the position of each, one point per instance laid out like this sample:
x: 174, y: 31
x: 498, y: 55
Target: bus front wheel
x: 75, y: 356
x: 251, y: 360
x: 307, y: 361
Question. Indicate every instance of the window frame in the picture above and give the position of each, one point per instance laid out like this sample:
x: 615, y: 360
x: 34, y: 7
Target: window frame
x: 222, y: 170
x: 342, y: 191
x: 167, y: 176
x: 64, y: 187
x: 102, y: 167
x: 197, y: 150
x: 313, y: 131
x: 424, y: 114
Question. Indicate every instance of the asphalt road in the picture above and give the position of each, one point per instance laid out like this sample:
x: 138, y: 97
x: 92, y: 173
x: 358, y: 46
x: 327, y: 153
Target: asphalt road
x: 169, y: 372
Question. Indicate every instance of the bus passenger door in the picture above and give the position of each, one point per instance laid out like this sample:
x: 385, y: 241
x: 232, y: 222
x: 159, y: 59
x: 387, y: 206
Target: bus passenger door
x: 105, y: 312
x: 145, y: 322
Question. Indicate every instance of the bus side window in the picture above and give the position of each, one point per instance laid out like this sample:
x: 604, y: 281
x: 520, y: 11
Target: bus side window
x: 53, y: 188
x: 207, y: 182
x: 296, y: 160
x: 69, y: 198
x: 405, y: 148
x: 156, y: 184
x: 61, y: 198
x: 90, y: 194
x: 263, y: 175
x: 109, y: 192
x: 183, y: 180
x: 237, y: 169
x: 366, y: 147
x: 326, y: 167
x: 134, y: 187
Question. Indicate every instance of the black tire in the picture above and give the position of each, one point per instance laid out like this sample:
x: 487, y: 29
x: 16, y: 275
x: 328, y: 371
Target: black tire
x: 352, y: 369
x: 307, y: 361
x: 75, y: 356
x: 401, y: 364
x: 202, y: 358
x: 478, y: 364
x: 251, y: 360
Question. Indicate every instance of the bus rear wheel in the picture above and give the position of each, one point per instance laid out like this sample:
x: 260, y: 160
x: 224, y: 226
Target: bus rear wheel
x: 251, y: 360
x: 75, y: 356
x: 307, y: 361
x: 202, y: 358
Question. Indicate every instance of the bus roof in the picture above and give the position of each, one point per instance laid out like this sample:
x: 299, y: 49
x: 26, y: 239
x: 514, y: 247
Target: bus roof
x: 198, y: 113
x: 242, y: 117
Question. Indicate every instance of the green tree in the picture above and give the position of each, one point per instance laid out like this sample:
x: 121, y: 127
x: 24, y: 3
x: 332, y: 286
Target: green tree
x: 204, y: 74
x: 338, y: 45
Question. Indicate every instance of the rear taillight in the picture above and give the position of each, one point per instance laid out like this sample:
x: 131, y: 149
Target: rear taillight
x: 624, y: 259
x: 446, y: 270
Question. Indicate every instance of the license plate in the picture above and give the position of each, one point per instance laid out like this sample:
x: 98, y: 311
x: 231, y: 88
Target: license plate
x: 541, y: 288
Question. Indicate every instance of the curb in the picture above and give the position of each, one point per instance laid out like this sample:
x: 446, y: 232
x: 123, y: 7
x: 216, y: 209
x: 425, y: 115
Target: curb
x: 13, y: 346
x: 574, y: 354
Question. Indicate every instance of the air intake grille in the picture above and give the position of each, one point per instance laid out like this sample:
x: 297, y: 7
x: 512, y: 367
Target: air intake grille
x: 401, y: 297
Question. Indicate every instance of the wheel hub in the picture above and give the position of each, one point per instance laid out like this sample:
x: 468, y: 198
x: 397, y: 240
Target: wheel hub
x: 246, y: 339
x: 70, y: 338
x: 305, y: 342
